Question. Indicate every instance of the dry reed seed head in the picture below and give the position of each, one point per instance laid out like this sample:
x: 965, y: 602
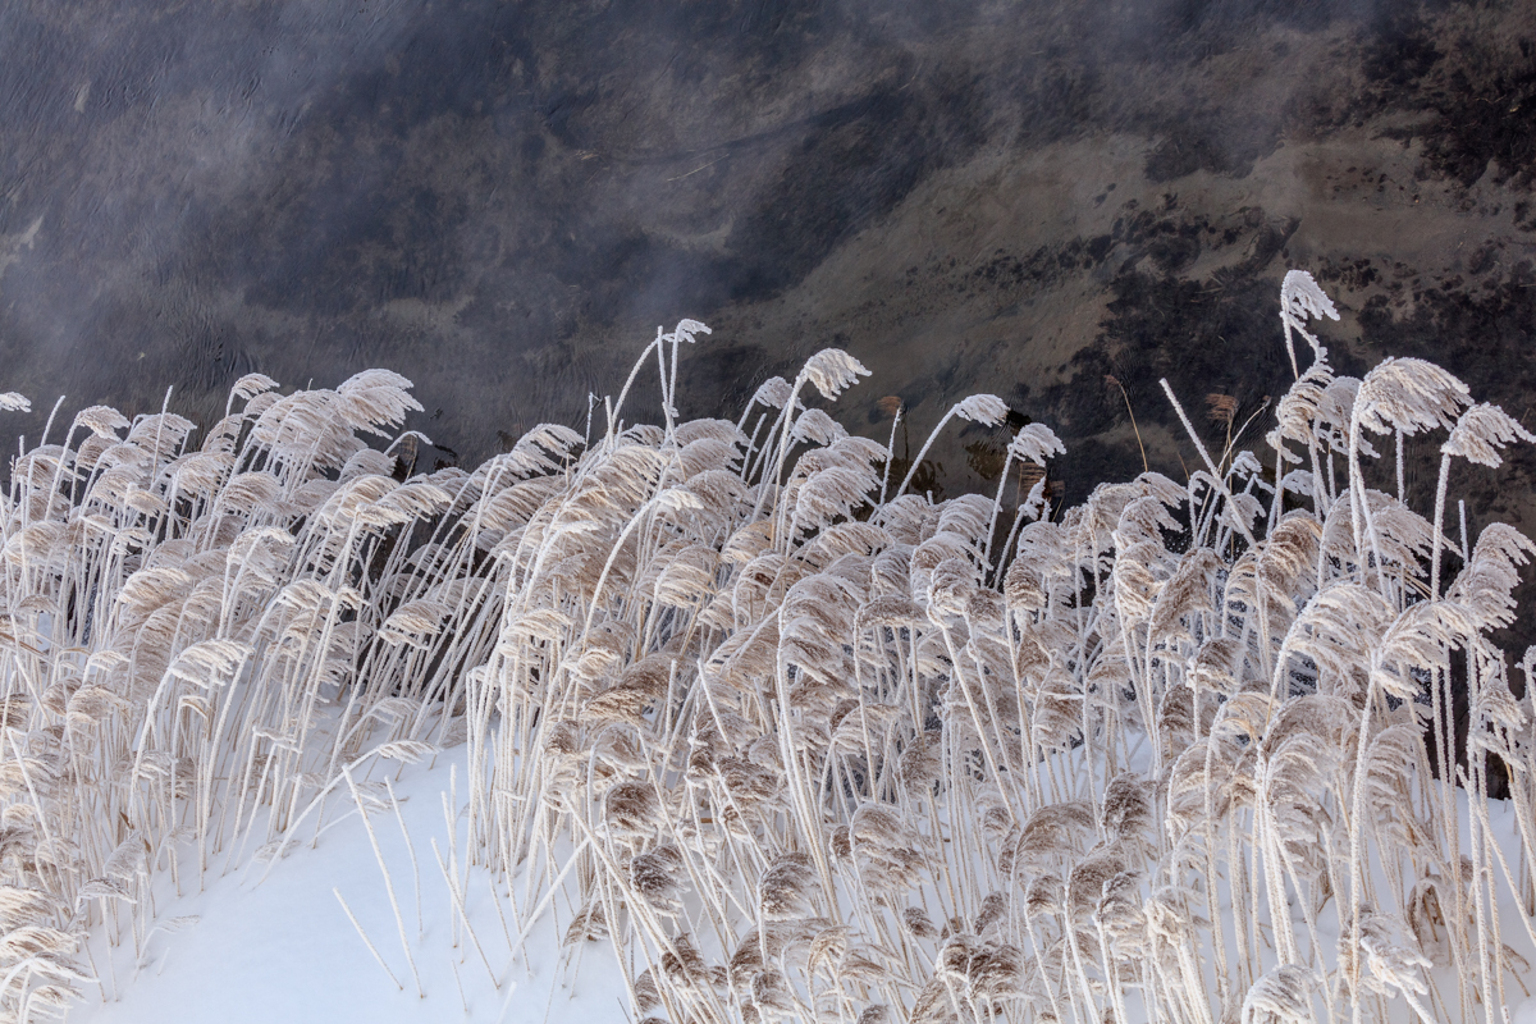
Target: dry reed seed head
x: 1216, y: 665
x: 658, y: 876
x: 1222, y: 408
x: 1486, y: 585
x: 1231, y: 780
x: 685, y: 968
x: 37, y: 940
x: 991, y: 973
x: 686, y: 329
x: 647, y: 996
x: 829, y: 495
x: 832, y: 371
x: 851, y: 724
x: 1092, y: 524
x: 418, y: 499
x: 918, y: 924
x: 589, y: 925
x: 909, y: 519
x: 1426, y: 921
x: 721, y: 493
x: 375, y: 399
x: 816, y: 427
x: 828, y: 603
x: 921, y: 763
x: 745, y: 659
x: 1333, y: 416
x: 1142, y: 521
x: 953, y: 591
x: 1247, y: 467
x: 1242, y: 513
x: 750, y: 543
x: 1390, y: 958
x: 985, y: 409
x: 1391, y: 757
x: 1127, y: 810
x: 622, y: 703
x: 20, y: 904
x: 1136, y: 578
x: 1300, y: 408
x: 414, y: 624
x: 773, y: 392
x: 1282, y: 996
x: 1337, y: 629
x: 251, y: 385
x: 128, y: 858
x: 367, y: 462
x: 1301, y: 298
x: 1323, y: 716
x: 101, y: 420
x: 14, y: 401
x: 715, y: 429
x: 844, y: 540
x: 1409, y: 395
x: 1089, y: 876
x: 1035, y: 442
x: 967, y: 517
x: 1245, y: 715
x: 751, y: 781
x: 764, y: 944
x: 768, y: 998
x: 1176, y: 719
x: 955, y: 555
x: 704, y: 454
x: 1022, y: 587
x: 1288, y: 560
x: 840, y: 843
x: 57, y: 995
x: 1419, y: 639
x: 1186, y: 594
x: 994, y: 910
x: 103, y: 889
x: 631, y: 810
x: 889, y: 856
x: 1119, y: 912
x: 879, y: 1013
x: 1402, y: 536
x: 200, y: 474
x: 1481, y: 431
x: 1056, y: 832
x: 161, y: 435
x: 890, y: 571
x: 787, y: 887
x: 935, y: 1004
x: 211, y: 663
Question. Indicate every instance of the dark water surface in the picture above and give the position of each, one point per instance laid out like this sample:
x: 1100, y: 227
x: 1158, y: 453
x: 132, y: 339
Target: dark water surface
x: 503, y: 200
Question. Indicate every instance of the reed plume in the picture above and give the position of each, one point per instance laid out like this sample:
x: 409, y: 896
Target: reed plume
x: 795, y: 748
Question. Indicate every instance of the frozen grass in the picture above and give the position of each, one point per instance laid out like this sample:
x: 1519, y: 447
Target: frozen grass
x: 752, y: 735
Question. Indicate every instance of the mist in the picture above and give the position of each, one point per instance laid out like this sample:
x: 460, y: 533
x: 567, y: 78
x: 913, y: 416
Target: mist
x: 502, y: 201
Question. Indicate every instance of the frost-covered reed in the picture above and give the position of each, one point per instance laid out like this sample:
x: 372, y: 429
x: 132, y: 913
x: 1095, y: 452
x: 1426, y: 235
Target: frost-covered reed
x: 800, y: 747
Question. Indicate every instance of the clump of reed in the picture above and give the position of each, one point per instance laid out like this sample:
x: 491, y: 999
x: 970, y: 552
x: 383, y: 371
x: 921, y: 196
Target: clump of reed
x: 797, y: 744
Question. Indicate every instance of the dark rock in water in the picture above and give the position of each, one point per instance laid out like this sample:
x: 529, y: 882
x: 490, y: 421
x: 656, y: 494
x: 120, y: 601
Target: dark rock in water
x: 503, y: 200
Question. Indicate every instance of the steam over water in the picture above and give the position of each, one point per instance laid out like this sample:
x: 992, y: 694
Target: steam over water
x: 503, y: 200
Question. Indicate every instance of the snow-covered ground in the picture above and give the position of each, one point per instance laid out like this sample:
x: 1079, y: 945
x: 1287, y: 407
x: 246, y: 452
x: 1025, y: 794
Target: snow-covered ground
x: 261, y: 946
x: 280, y: 948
